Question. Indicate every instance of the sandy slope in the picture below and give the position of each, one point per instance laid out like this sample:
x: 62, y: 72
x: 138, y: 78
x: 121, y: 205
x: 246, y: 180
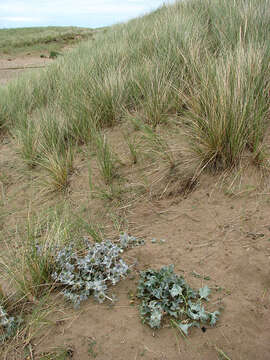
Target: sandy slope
x: 219, y: 235
x: 12, y: 67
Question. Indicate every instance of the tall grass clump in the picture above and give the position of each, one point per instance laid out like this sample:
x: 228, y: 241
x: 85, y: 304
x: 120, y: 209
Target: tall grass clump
x: 228, y: 109
x: 133, y: 144
x: 154, y: 94
x: 29, y: 264
x: 22, y: 96
x: 43, y: 140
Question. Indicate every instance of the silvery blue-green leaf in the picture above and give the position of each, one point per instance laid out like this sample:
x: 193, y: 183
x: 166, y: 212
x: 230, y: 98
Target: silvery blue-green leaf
x: 185, y: 327
x: 157, y: 293
x: 176, y: 290
x: 204, y: 316
x: 155, y: 318
x: 82, y: 274
x: 173, y: 313
x: 191, y: 293
x: 195, y: 311
x: 214, y: 317
x: 193, y: 315
x: 154, y: 305
x: 151, y: 281
x: 175, y: 305
x: 204, y: 292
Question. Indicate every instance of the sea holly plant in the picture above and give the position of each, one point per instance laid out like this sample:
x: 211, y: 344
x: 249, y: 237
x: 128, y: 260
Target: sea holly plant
x: 8, y: 325
x: 127, y: 241
x: 165, y: 293
x: 90, y: 273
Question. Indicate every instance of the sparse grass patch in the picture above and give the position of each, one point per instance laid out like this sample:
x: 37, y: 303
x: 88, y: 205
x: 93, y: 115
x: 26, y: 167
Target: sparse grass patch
x: 133, y: 144
x: 106, y: 159
x: 54, y: 54
x: 157, y: 144
x: 51, y: 38
x: 27, y: 268
x: 57, y: 354
x: 177, y: 181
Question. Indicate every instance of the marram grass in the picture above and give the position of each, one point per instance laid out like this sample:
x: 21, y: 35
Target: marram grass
x: 204, y: 62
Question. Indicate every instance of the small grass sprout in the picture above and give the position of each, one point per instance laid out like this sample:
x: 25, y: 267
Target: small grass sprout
x: 134, y: 146
x: 106, y: 159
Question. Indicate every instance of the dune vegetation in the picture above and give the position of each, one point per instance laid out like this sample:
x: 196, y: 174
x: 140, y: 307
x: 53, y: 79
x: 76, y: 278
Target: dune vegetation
x: 38, y: 39
x: 144, y: 110
x: 204, y: 64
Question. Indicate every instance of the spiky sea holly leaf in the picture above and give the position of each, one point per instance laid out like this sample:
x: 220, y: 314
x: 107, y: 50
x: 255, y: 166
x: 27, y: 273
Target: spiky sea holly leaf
x: 155, y: 318
x: 175, y: 305
x: 176, y: 290
x: 173, y: 313
x: 8, y: 324
x: 204, y: 316
x: 151, y: 281
x: 214, y: 317
x: 204, y: 292
x: 194, y: 311
x: 190, y: 293
x: 129, y: 241
x: 157, y: 293
x: 197, y: 312
x: 185, y: 327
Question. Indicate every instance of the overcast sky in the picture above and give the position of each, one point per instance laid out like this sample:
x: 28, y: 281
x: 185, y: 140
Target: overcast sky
x: 86, y: 13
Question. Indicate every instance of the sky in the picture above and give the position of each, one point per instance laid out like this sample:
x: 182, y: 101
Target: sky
x: 84, y: 13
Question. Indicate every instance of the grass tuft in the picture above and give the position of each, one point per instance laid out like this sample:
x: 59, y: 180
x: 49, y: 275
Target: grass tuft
x: 106, y: 159
x: 58, y: 167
